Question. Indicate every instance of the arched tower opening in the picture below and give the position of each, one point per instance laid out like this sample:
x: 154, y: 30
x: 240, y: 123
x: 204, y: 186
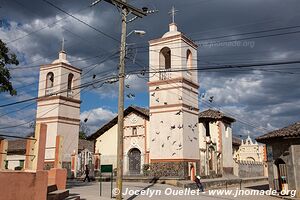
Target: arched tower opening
x: 70, y: 84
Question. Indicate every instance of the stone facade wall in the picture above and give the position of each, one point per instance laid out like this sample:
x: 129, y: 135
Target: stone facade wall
x: 247, y: 169
x: 169, y: 169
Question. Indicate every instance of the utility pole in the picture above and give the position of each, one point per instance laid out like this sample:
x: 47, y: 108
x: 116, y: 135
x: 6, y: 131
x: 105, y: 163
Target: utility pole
x: 126, y: 9
x: 119, y: 180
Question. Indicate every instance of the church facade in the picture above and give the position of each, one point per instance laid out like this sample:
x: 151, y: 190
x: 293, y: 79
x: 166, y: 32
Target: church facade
x: 215, y: 154
x: 250, y: 151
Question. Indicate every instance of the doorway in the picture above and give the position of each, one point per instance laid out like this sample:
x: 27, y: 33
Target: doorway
x: 134, y: 157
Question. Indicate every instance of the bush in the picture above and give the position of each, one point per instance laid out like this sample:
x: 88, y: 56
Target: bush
x: 146, y: 169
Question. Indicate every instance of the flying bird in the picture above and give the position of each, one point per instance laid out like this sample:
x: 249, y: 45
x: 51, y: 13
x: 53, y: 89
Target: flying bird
x: 211, y: 99
x: 94, y: 76
x: 179, y: 112
x: 127, y: 86
x: 173, y: 154
x: 190, y: 125
x: 130, y: 95
x: 190, y: 139
x: 153, y: 94
x: 173, y: 142
x: 157, y: 88
x: 173, y: 127
x: 157, y: 99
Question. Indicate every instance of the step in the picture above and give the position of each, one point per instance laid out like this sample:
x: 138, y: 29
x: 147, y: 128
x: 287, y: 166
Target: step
x: 58, y: 195
x: 73, y: 198
x: 51, y: 188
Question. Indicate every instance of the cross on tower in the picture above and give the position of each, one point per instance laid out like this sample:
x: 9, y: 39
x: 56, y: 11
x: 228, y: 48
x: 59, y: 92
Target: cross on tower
x: 63, y: 44
x: 172, y: 13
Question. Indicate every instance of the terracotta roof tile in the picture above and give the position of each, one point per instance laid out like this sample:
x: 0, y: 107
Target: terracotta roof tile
x: 214, y: 115
x: 290, y: 131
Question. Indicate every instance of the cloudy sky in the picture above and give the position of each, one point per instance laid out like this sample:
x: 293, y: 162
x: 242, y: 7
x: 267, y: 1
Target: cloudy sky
x: 261, y: 99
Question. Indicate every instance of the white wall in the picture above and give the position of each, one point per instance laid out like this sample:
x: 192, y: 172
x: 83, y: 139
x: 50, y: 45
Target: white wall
x: 14, y: 161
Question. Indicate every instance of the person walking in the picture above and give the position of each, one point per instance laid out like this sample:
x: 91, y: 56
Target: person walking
x: 86, y: 171
x: 199, y: 184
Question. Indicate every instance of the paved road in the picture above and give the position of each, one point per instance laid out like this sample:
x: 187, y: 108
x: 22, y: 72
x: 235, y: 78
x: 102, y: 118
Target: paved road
x: 141, y: 191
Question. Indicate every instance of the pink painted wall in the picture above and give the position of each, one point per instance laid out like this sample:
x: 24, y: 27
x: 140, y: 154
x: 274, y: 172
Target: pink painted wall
x: 23, y: 185
x: 57, y: 177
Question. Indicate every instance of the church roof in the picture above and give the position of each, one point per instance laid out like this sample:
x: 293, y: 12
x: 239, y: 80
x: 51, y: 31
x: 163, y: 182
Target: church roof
x: 114, y: 121
x: 16, y: 146
x: 290, y: 131
x: 213, y: 115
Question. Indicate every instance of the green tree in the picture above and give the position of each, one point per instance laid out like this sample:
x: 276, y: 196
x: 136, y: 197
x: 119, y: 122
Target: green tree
x: 83, y: 130
x: 6, y: 58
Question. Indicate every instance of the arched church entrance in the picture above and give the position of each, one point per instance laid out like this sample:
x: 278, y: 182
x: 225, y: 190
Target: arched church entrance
x: 134, y: 157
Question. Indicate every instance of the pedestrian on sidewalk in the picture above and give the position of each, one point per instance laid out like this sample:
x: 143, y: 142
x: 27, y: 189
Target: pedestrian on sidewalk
x: 199, y: 184
x: 86, y: 171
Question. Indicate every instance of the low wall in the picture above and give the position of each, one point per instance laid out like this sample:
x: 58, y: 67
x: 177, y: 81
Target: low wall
x: 222, y: 182
x: 168, y: 169
x: 248, y: 169
x: 23, y: 185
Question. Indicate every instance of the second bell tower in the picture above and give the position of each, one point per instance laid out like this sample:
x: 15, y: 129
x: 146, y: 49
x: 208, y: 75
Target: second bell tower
x: 59, y: 106
x: 173, y: 87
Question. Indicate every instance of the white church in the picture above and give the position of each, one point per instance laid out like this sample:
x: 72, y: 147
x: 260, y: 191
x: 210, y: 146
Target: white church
x: 171, y: 138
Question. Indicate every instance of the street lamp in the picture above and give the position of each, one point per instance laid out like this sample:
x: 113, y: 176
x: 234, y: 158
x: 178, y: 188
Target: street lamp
x: 138, y: 32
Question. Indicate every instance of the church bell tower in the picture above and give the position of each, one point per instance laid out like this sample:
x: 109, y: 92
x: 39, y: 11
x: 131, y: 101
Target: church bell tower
x: 173, y: 100
x: 59, y: 106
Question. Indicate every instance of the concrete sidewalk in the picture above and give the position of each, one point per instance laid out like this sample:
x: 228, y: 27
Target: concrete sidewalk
x: 90, y: 191
x: 223, y: 182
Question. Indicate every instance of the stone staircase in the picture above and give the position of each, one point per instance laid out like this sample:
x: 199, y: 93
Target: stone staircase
x: 54, y: 194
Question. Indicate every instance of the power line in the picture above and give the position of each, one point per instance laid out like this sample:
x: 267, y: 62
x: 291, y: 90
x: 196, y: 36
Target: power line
x: 85, y: 86
x: 198, y: 101
x: 253, y: 32
x: 81, y: 21
x: 93, y: 66
x: 191, y: 69
x: 47, y: 26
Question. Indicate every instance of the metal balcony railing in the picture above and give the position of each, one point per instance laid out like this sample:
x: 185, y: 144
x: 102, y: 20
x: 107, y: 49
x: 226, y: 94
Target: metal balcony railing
x: 70, y: 93
x: 165, y: 74
x: 49, y: 91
